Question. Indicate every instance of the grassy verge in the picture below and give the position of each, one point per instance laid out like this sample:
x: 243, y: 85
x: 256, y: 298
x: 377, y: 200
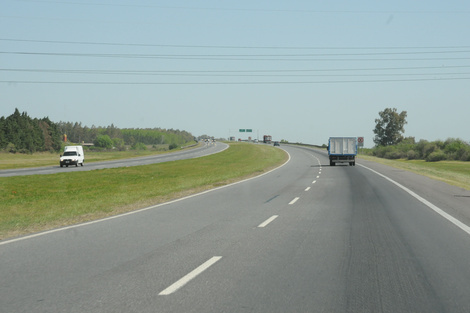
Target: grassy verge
x: 40, y: 202
x: 19, y: 160
x: 455, y: 173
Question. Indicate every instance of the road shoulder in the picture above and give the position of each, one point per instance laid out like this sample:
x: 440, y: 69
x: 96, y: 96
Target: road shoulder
x: 451, y: 199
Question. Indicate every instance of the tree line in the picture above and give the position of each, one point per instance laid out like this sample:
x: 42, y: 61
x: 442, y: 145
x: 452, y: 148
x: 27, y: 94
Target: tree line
x: 111, y: 136
x: 452, y: 149
x: 21, y: 133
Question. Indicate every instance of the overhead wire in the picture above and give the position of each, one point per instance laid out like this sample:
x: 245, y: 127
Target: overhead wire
x: 240, y: 57
x: 231, y: 83
x: 345, y: 54
x: 241, y: 73
x: 94, y: 43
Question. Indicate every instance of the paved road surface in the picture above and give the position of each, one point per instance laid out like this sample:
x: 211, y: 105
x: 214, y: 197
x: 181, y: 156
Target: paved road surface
x: 306, y: 237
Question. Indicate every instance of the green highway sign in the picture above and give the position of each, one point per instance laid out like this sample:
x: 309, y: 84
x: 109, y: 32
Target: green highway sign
x: 243, y: 130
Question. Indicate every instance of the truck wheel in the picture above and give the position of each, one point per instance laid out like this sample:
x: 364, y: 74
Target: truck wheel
x: 81, y: 164
x: 61, y: 165
x: 66, y: 166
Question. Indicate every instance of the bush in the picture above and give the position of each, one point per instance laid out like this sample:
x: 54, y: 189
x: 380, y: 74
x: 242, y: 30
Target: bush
x: 388, y: 152
x: 436, y: 156
x: 381, y: 151
x: 10, y: 148
x: 465, y: 156
x: 393, y: 155
x: 428, y: 149
x: 103, y: 141
x: 411, y: 155
x: 173, y: 146
x: 419, y: 148
x: 455, y: 149
x: 139, y: 146
x: 119, y: 144
x: 451, y: 149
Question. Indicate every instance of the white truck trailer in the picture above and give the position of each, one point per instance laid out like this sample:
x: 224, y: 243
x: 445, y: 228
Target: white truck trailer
x: 342, y: 150
x: 73, y: 155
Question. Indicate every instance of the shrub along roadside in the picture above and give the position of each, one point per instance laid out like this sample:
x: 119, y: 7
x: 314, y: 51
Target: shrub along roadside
x: 40, y: 202
x: 451, y: 150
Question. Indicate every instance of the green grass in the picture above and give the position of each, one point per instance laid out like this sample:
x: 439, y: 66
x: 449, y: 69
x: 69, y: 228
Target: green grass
x: 40, y: 202
x: 455, y: 173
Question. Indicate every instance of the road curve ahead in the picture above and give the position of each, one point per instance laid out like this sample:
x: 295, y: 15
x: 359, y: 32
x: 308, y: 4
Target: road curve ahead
x: 206, y: 149
x: 306, y: 237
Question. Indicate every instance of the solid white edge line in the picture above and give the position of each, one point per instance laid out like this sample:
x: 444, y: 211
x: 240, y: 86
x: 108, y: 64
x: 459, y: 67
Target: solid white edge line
x: 190, y: 276
x: 269, y: 220
x: 294, y: 200
x: 439, y: 211
x: 140, y: 210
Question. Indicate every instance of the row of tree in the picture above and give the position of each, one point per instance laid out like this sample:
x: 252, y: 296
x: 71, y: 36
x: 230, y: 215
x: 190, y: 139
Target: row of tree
x: 451, y: 149
x: 21, y: 133
x: 103, y: 137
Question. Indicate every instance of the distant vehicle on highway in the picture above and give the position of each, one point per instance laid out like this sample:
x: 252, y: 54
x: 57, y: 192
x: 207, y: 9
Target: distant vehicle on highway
x: 73, y: 155
x: 267, y: 138
x: 276, y: 143
x: 342, y: 150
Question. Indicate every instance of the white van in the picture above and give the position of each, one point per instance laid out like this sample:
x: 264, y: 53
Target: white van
x: 73, y: 155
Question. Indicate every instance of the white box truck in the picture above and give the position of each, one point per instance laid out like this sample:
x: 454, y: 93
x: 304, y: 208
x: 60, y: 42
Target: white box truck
x: 73, y: 155
x: 342, y: 150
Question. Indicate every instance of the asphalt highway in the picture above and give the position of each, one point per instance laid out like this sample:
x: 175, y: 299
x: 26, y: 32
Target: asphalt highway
x: 204, y: 150
x: 305, y: 237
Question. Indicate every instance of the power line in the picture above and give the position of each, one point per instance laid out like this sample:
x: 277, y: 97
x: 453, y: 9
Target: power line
x: 233, y: 57
x: 282, y: 73
x: 246, y: 71
x: 232, y: 47
x: 232, y: 83
x: 357, y: 54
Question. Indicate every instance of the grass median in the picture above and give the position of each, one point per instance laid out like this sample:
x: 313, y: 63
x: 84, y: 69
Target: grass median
x: 39, y: 202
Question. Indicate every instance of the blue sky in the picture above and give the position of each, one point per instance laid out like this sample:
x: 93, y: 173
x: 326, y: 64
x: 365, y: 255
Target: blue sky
x: 297, y: 70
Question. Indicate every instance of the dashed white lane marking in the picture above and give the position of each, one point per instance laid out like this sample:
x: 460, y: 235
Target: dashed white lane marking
x: 294, y: 200
x: 183, y: 281
x: 439, y: 211
x: 307, y: 189
x: 269, y: 220
x: 318, y: 176
x: 314, y: 182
